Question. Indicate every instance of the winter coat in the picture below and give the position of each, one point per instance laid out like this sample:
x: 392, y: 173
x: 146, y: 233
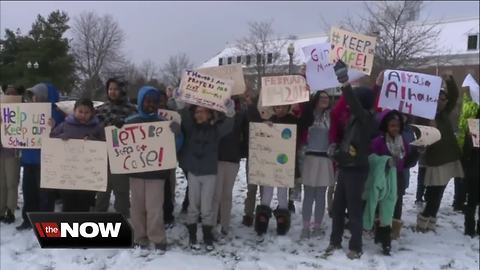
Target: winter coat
x: 72, y: 129
x: 380, y: 190
x: 113, y: 112
x: 45, y: 92
x: 232, y: 146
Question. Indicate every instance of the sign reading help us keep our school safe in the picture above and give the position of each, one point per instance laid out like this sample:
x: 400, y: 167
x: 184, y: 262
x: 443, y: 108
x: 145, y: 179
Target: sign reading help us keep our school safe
x: 355, y: 50
x: 141, y: 147
x: 228, y: 72
x: 271, y: 157
x: 284, y: 90
x: 205, y: 90
x: 74, y: 164
x: 24, y: 124
x: 410, y: 92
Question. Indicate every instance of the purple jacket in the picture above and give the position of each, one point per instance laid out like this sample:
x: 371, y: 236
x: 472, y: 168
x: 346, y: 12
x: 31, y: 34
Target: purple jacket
x: 72, y: 129
x: 379, y: 146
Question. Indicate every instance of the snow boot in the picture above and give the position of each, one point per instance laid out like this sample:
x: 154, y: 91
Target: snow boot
x: 208, y: 237
x: 247, y: 220
x: 396, y: 228
x: 283, y: 221
x: 192, y: 236
x: 9, y: 217
x: 469, y: 225
x: 263, y: 214
x: 422, y: 223
x: 432, y: 224
x: 353, y: 255
x: 386, y: 239
x: 376, y: 231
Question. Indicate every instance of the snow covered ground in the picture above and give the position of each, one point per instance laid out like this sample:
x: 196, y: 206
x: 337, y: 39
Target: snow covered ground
x: 448, y: 248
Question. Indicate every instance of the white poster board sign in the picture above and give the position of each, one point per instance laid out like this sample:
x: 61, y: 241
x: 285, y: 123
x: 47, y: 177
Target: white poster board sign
x: 473, y: 128
x: 425, y: 135
x: 271, y: 157
x: 228, y: 72
x: 472, y: 84
x: 142, y: 147
x: 410, y: 92
x: 284, y: 90
x: 73, y: 164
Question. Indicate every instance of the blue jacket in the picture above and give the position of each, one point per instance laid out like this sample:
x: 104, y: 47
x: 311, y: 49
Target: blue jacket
x: 32, y: 156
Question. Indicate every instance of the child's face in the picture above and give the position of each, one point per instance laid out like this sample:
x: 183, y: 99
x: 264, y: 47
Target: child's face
x: 83, y: 114
x: 323, y: 101
x: 393, y: 127
x: 114, y: 92
x: 281, y: 111
x: 150, y: 104
x: 162, y: 104
x: 202, y: 115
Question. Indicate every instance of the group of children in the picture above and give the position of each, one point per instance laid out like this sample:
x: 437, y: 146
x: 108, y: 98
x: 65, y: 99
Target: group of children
x: 363, y: 154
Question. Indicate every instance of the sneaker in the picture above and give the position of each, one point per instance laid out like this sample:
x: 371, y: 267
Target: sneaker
x: 305, y: 234
x: 195, y: 246
x: 247, y: 221
x: 352, y: 254
x: 24, y: 226
x: 331, y: 249
x: 162, y: 247
x: 209, y: 247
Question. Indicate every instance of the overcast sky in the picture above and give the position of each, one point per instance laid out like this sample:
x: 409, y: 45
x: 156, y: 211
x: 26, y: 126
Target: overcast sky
x: 156, y: 30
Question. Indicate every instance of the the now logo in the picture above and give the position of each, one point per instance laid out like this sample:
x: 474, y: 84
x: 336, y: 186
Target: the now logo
x: 81, y: 230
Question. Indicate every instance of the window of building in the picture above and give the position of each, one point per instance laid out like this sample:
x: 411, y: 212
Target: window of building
x: 229, y: 60
x: 269, y: 58
x: 473, y: 42
x: 239, y: 59
x: 248, y: 60
x: 220, y: 61
x: 259, y: 59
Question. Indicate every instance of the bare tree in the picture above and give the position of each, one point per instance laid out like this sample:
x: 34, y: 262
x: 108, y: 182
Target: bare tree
x: 149, y: 70
x: 97, y: 43
x: 172, y: 70
x: 403, y: 40
x: 264, y: 48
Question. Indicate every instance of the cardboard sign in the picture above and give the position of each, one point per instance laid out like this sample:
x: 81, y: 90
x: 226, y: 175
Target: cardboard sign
x: 473, y: 128
x: 319, y: 71
x: 284, y: 90
x: 425, y: 135
x: 228, y: 72
x: 24, y: 124
x: 67, y: 106
x: 410, y: 92
x: 473, y: 87
x: 169, y: 115
x: 10, y: 99
x: 204, y: 90
x: 355, y: 50
x: 142, y: 147
x: 74, y: 164
x: 271, y: 157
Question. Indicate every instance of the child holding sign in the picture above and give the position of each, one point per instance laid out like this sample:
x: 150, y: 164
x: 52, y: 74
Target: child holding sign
x: 148, y: 188
x: 82, y: 124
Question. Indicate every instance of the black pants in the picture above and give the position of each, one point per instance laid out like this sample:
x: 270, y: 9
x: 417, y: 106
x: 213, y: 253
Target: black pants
x: 473, y: 198
x: 460, y: 195
x: 77, y: 200
x: 35, y: 199
x: 420, y: 183
x: 433, y: 197
x: 348, y: 195
x: 168, y: 206
x: 401, y: 187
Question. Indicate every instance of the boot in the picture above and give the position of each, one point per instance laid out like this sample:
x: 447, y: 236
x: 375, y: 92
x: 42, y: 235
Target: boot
x: 291, y: 206
x: 377, y: 236
x: 469, y: 224
x: 24, y: 226
x: 432, y: 224
x: 283, y: 221
x: 9, y: 217
x: 247, y: 220
x: 396, y: 228
x: 192, y: 236
x: 262, y: 217
x: 478, y: 227
x: 386, y: 240
x: 208, y: 237
x: 422, y: 223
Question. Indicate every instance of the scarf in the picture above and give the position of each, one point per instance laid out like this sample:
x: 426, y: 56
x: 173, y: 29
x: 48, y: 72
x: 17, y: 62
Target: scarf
x: 395, y: 146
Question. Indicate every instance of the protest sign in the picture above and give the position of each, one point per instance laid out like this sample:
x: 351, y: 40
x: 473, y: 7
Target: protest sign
x: 24, y: 124
x: 355, y: 50
x: 284, y: 90
x: 73, y: 164
x: 410, y: 92
x: 204, y: 90
x: 228, y: 72
x: 10, y: 99
x: 169, y: 115
x: 271, y: 158
x: 425, y: 135
x: 473, y: 87
x: 141, y: 147
x: 473, y: 128
x: 68, y: 105
x: 319, y: 71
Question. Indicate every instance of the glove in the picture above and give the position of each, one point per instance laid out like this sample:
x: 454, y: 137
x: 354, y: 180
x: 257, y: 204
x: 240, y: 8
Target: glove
x: 118, y: 123
x: 341, y: 71
x: 175, y: 127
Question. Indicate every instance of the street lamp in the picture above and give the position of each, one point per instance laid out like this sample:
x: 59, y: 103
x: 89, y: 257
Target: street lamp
x: 35, y: 65
x: 290, y: 50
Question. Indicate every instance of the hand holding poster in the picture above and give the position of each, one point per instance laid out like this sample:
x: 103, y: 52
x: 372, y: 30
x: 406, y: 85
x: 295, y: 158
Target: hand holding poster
x: 284, y: 90
x: 74, y: 164
x: 410, y: 92
x: 228, y: 72
x: 24, y: 124
x: 320, y: 73
x: 204, y: 90
x: 473, y: 128
x: 425, y: 135
x: 141, y: 147
x: 355, y: 50
x: 169, y: 115
x: 271, y: 158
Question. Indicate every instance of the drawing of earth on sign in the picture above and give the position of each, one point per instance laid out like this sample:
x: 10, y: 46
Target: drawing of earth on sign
x: 282, y: 158
x: 286, y: 133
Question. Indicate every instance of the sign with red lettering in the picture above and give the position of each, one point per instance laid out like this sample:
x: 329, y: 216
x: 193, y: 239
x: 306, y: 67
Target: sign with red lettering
x: 141, y: 147
x: 410, y: 92
x: 355, y: 50
x: 284, y: 90
x: 205, y: 90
